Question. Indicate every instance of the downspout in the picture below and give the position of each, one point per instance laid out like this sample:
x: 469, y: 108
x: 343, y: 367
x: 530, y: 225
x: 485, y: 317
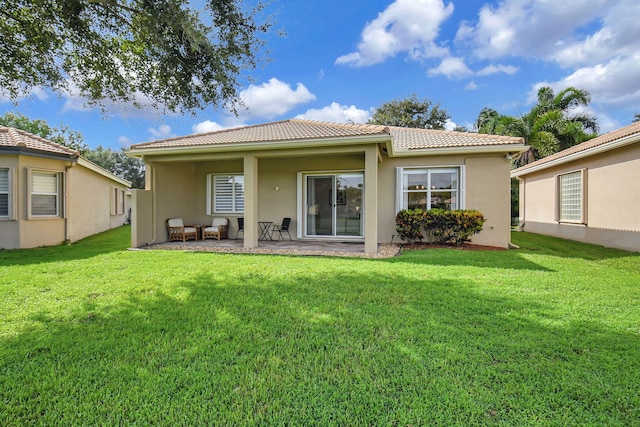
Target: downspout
x: 154, y: 233
x: 67, y: 238
x: 521, y: 210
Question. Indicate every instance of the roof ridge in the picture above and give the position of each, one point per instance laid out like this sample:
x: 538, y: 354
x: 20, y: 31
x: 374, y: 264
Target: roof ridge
x: 363, y: 126
x: 213, y: 132
x: 457, y: 132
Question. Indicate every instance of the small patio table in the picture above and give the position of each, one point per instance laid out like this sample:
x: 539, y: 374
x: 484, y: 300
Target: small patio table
x: 199, y: 231
x: 263, y: 230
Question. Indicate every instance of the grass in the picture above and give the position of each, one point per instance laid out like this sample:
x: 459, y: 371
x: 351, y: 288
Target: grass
x: 93, y: 334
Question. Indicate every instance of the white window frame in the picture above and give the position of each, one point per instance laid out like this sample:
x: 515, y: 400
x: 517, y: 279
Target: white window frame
x: 212, y: 207
x: 121, y: 198
x: 9, y: 192
x: 561, y: 193
x: 58, y: 194
x: 117, y: 201
x: 400, y: 173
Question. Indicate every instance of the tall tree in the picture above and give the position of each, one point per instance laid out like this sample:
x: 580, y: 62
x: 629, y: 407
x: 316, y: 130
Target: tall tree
x: 410, y: 112
x: 61, y: 135
x: 636, y: 118
x: 181, y: 59
x: 550, y: 126
x: 120, y: 164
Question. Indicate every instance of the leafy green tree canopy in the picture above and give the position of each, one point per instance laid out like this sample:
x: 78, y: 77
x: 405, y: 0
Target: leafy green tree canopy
x: 410, y: 112
x: 61, y: 135
x: 179, y: 58
x: 553, y: 124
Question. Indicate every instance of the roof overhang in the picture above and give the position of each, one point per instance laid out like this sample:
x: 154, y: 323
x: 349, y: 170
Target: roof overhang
x: 578, y: 155
x: 101, y: 171
x: 260, y: 146
x: 24, y: 151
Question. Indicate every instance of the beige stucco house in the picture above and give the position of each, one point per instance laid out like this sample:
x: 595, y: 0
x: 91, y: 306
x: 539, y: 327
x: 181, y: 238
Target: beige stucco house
x: 49, y: 194
x: 340, y: 182
x: 589, y: 192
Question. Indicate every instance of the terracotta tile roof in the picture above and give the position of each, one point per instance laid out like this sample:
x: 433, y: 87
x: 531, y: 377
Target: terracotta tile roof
x: 415, y: 139
x: 287, y: 130
x: 300, y: 130
x: 11, y: 137
x: 587, y: 145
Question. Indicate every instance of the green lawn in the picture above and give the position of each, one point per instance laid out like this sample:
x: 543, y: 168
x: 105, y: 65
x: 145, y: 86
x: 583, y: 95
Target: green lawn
x: 93, y: 334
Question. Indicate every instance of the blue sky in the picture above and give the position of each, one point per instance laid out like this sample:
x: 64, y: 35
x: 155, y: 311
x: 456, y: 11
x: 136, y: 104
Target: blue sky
x: 341, y: 59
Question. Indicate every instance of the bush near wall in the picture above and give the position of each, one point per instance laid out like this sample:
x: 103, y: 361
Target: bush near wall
x: 409, y: 224
x: 440, y: 225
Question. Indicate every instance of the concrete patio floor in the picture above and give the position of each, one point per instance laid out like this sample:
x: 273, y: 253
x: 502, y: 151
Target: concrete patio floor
x: 283, y: 247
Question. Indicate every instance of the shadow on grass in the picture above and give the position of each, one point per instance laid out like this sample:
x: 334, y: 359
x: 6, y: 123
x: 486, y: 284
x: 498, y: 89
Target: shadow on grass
x: 471, y: 258
x: 327, y: 348
x: 553, y: 246
x: 114, y: 240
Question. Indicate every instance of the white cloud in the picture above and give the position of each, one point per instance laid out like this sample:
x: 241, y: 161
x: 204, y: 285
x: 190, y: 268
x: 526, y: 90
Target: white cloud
x: 452, y: 68
x: 125, y: 141
x: 471, y: 86
x: 614, y: 83
x: 450, y: 125
x: 74, y: 101
x: 409, y: 26
x: 272, y: 99
x: 619, y: 35
x: 38, y: 92
x: 337, y: 113
x: 162, y: 132
x: 207, y: 126
x: 494, y: 69
x: 531, y: 28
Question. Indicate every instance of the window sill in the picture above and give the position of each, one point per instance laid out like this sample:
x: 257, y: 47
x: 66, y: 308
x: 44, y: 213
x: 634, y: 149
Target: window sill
x: 576, y: 223
x: 42, y: 218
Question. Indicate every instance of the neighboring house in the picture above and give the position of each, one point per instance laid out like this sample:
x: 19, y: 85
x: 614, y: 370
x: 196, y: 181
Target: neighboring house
x: 340, y: 182
x: 49, y: 194
x: 589, y: 192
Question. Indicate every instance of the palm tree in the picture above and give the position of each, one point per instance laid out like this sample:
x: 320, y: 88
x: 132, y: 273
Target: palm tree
x: 552, y: 124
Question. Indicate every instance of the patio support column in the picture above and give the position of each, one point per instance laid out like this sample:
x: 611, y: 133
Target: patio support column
x: 371, y: 199
x: 250, y: 202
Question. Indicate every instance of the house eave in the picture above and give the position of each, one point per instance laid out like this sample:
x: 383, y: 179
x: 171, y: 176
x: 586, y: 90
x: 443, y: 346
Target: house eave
x: 479, y: 149
x: 260, y: 146
x: 578, y: 155
x: 101, y: 171
x: 24, y: 151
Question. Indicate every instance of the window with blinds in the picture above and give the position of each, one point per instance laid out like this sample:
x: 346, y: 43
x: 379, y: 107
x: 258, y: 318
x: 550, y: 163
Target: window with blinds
x: 5, y: 194
x: 226, y: 194
x: 570, y: 197
x: 45, y: 194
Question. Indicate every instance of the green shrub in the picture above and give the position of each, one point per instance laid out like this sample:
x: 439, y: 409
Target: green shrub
x: 409, y: 223
x: 452, y: 226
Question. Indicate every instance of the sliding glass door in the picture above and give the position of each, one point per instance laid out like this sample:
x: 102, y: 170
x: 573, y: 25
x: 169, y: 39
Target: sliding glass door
x: 334, y: 205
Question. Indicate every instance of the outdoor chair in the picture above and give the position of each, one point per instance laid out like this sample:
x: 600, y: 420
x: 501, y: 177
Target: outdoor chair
x: 178, y: 231
x: 218, y: 229
x: 282, y: 228
x: 240, y: 227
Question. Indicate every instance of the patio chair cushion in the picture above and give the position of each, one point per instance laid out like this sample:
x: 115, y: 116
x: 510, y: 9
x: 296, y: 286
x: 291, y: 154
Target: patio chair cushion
x: 218, y: 228
x: 178, y: 231
x: 175, y: 222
